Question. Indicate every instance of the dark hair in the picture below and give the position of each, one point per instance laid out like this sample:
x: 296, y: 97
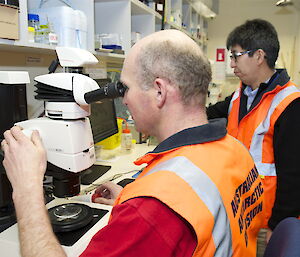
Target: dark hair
x: 256, y: 34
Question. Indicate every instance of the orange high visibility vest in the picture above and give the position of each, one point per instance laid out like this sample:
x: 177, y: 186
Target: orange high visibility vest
x: 214, y: 186
x: 256, y: 130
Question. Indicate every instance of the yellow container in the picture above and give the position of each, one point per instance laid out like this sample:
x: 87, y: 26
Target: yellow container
x: 114, y: 140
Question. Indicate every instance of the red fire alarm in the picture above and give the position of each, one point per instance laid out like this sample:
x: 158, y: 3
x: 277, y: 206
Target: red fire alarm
x: 220, y: 57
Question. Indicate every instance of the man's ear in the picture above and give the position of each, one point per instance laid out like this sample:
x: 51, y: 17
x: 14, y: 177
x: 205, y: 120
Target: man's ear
x: 160, y: 86
x: 260, y: 55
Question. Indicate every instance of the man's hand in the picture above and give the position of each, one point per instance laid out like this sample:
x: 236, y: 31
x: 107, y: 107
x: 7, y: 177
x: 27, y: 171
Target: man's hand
x: 25, y: 164
x: 24, y: 160
x: 107, y: 193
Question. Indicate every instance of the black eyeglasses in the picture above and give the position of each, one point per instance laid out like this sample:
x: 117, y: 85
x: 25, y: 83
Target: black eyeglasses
x: 235, y: 55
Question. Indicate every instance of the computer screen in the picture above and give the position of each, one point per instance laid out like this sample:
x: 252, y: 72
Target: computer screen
x: 104, y: 124
x: 103, y: 117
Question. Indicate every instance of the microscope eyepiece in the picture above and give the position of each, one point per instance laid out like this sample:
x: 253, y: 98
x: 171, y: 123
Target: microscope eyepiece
x: 110, y: 90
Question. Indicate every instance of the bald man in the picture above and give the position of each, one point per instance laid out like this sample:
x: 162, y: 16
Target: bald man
x: 200, y: 193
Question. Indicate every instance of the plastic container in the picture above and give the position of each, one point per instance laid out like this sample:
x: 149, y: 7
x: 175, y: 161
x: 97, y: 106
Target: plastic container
x: 52, y: 36
x: 34, y: 22
x: 70, y: 27
x: 111, y: 41
x: 44, y: 34
x: 98, y: 41
x: 126, y: 140
x: 31, y: 35
x: 113, y: 141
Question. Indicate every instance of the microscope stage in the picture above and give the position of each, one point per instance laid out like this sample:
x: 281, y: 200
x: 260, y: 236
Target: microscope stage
x: 73, y: 242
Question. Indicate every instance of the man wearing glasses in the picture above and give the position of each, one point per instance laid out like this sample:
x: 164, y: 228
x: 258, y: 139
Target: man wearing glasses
x: 264, y: 114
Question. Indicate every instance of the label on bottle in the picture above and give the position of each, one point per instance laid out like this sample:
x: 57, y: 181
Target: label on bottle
x: 53, y: 38
x: 126, y: 142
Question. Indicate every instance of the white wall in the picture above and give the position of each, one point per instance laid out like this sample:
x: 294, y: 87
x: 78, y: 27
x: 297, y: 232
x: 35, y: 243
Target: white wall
x: 285, y: 19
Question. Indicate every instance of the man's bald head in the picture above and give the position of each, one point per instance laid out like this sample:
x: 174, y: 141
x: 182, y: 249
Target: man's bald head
x: 171, y: 35
x: 172, y: 55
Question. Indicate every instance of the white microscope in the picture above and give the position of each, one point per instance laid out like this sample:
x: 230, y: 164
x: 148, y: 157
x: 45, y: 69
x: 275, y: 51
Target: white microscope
x: 65, y: 129
x: 67, y: 136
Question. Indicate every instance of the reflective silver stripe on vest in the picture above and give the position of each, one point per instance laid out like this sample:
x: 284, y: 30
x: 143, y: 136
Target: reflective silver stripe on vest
x: 256, y: 147
x: 208, y: 193
x: 234, y: 97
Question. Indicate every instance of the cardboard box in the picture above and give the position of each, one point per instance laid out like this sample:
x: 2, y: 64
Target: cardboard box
x: 13, y: 3
x: 9, y: 22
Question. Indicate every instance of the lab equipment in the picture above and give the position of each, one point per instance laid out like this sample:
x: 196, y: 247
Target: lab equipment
x: 31, y: 34
x: 34, y: 22
x: 52, y: 36
x: 104, y: 124
x: 64, y: 220
x: 111, y: 41
x: 44, y: 33
x: 126, y: 140
x: 71, y: 28
x: 103, y: 116
x: 92, y: 173
x: 13, y: 108
x: 65, y: 129
x: 125, y: 181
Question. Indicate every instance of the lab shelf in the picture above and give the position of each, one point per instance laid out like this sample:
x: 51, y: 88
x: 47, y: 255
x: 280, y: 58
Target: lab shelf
x: 16, y: 46
x: 116, y: 16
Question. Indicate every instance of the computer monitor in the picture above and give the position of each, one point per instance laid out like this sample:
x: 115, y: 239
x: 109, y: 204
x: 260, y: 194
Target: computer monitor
x: 103, y: 117
x: 104, y: 124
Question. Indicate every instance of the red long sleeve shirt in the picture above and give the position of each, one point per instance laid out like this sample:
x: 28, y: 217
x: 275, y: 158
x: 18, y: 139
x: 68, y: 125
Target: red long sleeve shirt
x: 143, y: 227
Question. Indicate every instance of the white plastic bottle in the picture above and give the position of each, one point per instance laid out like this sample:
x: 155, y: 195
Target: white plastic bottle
x: 34, y: 22
x: 126, y: 140
x: 31, y: 34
